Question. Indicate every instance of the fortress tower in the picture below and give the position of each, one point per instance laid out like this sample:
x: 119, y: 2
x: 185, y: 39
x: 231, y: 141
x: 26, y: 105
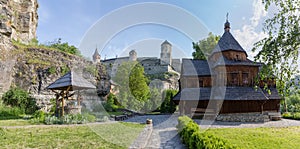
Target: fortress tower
x: 132, y: 55
x: 96, y: 56
x: 165, y: 55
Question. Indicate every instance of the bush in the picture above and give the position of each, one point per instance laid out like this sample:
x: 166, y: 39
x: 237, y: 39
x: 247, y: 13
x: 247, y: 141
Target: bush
x: 293, y: 103
x: 10, y: 112
x: 289, y: 115
x: 38, y: 117
x: 16, y: 97
x: 49, y: 120
x: 111, y: 105
x: 190, y: 134
x: 70, y: 119
x: 168, y: 106
x: 182, y: 122
x: 188, y: 131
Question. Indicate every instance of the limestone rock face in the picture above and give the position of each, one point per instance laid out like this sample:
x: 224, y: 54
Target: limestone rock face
x: 18, y: 21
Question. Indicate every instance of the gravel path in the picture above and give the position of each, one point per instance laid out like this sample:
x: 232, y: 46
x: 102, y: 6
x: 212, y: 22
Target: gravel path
x: 164, y: 134
x: 218, y: 124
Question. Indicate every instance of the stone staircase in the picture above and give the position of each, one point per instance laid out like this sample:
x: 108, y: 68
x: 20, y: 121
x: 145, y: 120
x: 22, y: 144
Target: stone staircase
x: 273, y: 116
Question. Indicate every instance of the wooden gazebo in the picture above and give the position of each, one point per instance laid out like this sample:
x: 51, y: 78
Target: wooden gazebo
x: 69, y: 82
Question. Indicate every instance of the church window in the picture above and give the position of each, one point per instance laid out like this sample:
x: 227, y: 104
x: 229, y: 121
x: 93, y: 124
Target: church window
x: 200, y: 83
x: 234, y: 78
x: 245, y: 79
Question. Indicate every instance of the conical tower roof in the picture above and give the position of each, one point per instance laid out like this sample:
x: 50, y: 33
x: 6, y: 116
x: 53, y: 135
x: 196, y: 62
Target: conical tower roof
x: 228, y: 42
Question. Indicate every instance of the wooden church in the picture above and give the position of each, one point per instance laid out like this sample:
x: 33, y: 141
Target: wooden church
x: 224, y: 85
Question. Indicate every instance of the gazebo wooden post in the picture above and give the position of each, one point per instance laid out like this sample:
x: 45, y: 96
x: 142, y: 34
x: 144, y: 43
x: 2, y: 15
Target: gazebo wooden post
x: 56, y: 104
x: 63, y: 106
x: 78, y: 98
x: 57, y: 94
x: 65, y: 94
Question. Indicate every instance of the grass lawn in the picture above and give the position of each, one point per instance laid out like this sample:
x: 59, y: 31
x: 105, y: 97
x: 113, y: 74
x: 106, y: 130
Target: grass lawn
x: 115, y: 135
x: 17, y: 122
x: 261, y: 138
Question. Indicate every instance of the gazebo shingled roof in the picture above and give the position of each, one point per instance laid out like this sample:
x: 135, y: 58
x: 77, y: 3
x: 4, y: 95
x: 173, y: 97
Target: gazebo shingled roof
x: 72, y: 80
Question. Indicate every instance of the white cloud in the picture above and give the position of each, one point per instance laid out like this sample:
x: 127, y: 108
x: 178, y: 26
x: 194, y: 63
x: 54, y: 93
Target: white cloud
x: 258, y: 12
x: 248, y: 35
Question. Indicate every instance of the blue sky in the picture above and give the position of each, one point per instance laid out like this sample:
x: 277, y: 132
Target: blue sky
x: 117, y: 26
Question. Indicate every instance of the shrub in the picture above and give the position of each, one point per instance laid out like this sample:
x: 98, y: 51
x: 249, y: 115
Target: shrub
x: 111, y: 105
x: 190, y: 134
x: 182, y: 122
x: 187, y: 131
x: 10, y: 112
x: 287, y: 115
x: 168, y: 106
x: 16, y: 97
x: 49, y: 120
x: 38, y: 117
x: 70, y: 119
x: 297, y: 116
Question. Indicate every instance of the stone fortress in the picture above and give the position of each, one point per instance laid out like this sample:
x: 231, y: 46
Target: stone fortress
x: 152, y: 65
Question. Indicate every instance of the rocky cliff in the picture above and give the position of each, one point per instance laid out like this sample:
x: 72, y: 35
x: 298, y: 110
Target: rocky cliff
x: 18, y: 21
x: 35, y: 68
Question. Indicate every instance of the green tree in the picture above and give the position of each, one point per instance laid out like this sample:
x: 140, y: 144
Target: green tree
x: 168, y: 106
x: 132, y: 85
x: 204, y: 47
x: 280, y: 49
x: 154, y: 101
x: 65, y: 47
x: 293, y: 103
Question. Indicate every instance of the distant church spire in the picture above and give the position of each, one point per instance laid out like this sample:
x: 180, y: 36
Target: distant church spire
x: 227, y: 24
x: 96, y: 56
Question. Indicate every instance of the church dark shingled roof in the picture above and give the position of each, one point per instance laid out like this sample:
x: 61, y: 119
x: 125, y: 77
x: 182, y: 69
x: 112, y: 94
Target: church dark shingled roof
x: 231, y: 93
x: 228, y: 42
x: 195, y: 68
x: 224, y: 61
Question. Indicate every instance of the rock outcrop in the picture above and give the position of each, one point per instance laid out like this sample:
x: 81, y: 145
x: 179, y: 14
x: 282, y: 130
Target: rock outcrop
x: 36, y: 68
x: 18, y: 21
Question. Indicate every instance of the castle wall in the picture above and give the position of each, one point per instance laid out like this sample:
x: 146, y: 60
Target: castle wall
x: 176, y: 64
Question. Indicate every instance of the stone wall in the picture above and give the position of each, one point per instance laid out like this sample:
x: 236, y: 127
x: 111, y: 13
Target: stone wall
x: 243, y: 117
